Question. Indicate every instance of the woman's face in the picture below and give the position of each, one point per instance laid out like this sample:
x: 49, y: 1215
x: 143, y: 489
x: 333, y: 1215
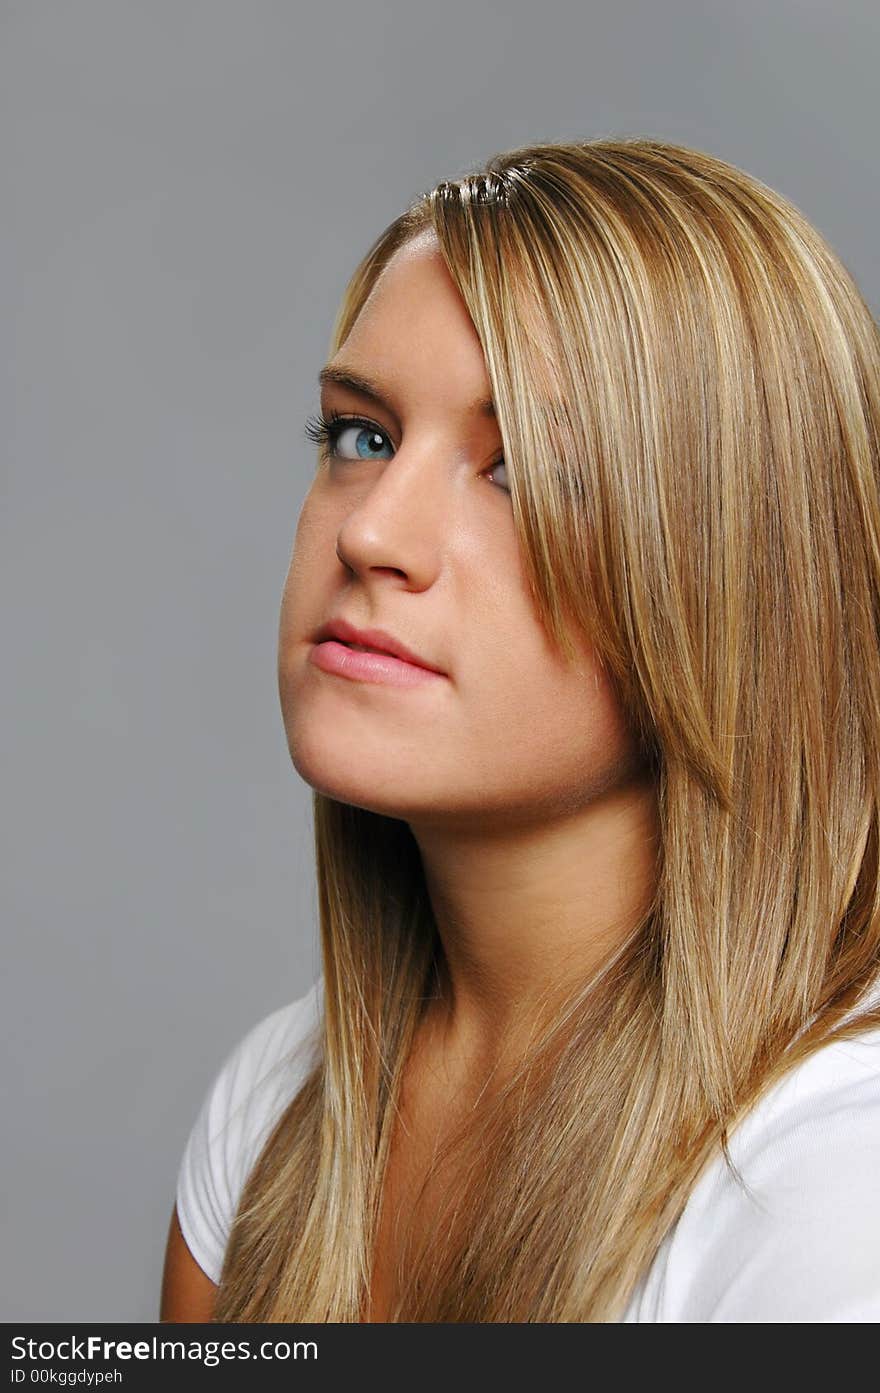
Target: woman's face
x: 408, y: 528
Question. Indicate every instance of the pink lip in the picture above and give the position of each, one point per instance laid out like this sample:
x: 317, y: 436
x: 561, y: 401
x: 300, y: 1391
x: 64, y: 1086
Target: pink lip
x: 332, y: 656
x: 378, y: 642
x: 375, y: 639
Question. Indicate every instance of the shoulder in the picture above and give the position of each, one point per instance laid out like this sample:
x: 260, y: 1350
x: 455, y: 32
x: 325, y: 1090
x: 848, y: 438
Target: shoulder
x: 795, y: 1234
x: 256, y: 1081
x: 267, y: 1061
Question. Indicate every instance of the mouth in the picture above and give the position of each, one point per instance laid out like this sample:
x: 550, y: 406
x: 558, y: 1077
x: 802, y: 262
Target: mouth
x: 367, y: 665
x: 374, y: 641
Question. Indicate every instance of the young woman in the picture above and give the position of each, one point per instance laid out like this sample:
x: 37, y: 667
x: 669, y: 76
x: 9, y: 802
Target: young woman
x: 580, y: 652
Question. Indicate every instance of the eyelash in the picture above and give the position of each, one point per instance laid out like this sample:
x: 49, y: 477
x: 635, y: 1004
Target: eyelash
x: 325, y: 432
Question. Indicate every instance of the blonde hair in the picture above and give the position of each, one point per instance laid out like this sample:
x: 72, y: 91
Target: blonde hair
x: 687, y: 383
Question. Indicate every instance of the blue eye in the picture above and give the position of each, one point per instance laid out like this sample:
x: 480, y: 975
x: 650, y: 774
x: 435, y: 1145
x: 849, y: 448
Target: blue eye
x: 329, y: 431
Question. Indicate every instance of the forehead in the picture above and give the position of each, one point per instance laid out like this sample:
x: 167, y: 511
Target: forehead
x: 415, y: 331
x: 414, y: 334
x: 412, y: 290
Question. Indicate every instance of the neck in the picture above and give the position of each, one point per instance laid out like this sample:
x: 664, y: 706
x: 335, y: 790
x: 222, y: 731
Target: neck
x: 525, y: 914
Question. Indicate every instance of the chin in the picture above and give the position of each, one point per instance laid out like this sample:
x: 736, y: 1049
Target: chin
x: 363, y: 778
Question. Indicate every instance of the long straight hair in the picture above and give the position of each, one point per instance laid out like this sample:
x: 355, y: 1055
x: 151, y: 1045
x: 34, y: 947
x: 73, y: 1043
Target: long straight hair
x: 687, y: 383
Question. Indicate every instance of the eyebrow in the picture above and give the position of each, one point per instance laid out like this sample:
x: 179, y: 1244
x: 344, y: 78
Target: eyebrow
x: 355, y: 382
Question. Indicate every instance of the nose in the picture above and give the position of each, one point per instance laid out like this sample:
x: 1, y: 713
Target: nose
x: 399, y: 522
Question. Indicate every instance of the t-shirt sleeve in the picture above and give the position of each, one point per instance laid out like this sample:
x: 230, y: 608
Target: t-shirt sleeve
x: 260, y: 1076
x: 799, y: 1239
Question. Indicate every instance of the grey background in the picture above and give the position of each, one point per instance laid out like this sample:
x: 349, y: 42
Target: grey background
x: 185, y: 188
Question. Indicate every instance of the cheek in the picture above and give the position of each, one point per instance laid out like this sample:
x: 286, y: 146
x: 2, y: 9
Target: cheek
x: 540, y: 728
x: 304, y: 603
x: 301, y: 598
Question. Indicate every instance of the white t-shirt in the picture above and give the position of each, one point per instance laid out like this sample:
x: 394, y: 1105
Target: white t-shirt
x: 800, y: 1243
